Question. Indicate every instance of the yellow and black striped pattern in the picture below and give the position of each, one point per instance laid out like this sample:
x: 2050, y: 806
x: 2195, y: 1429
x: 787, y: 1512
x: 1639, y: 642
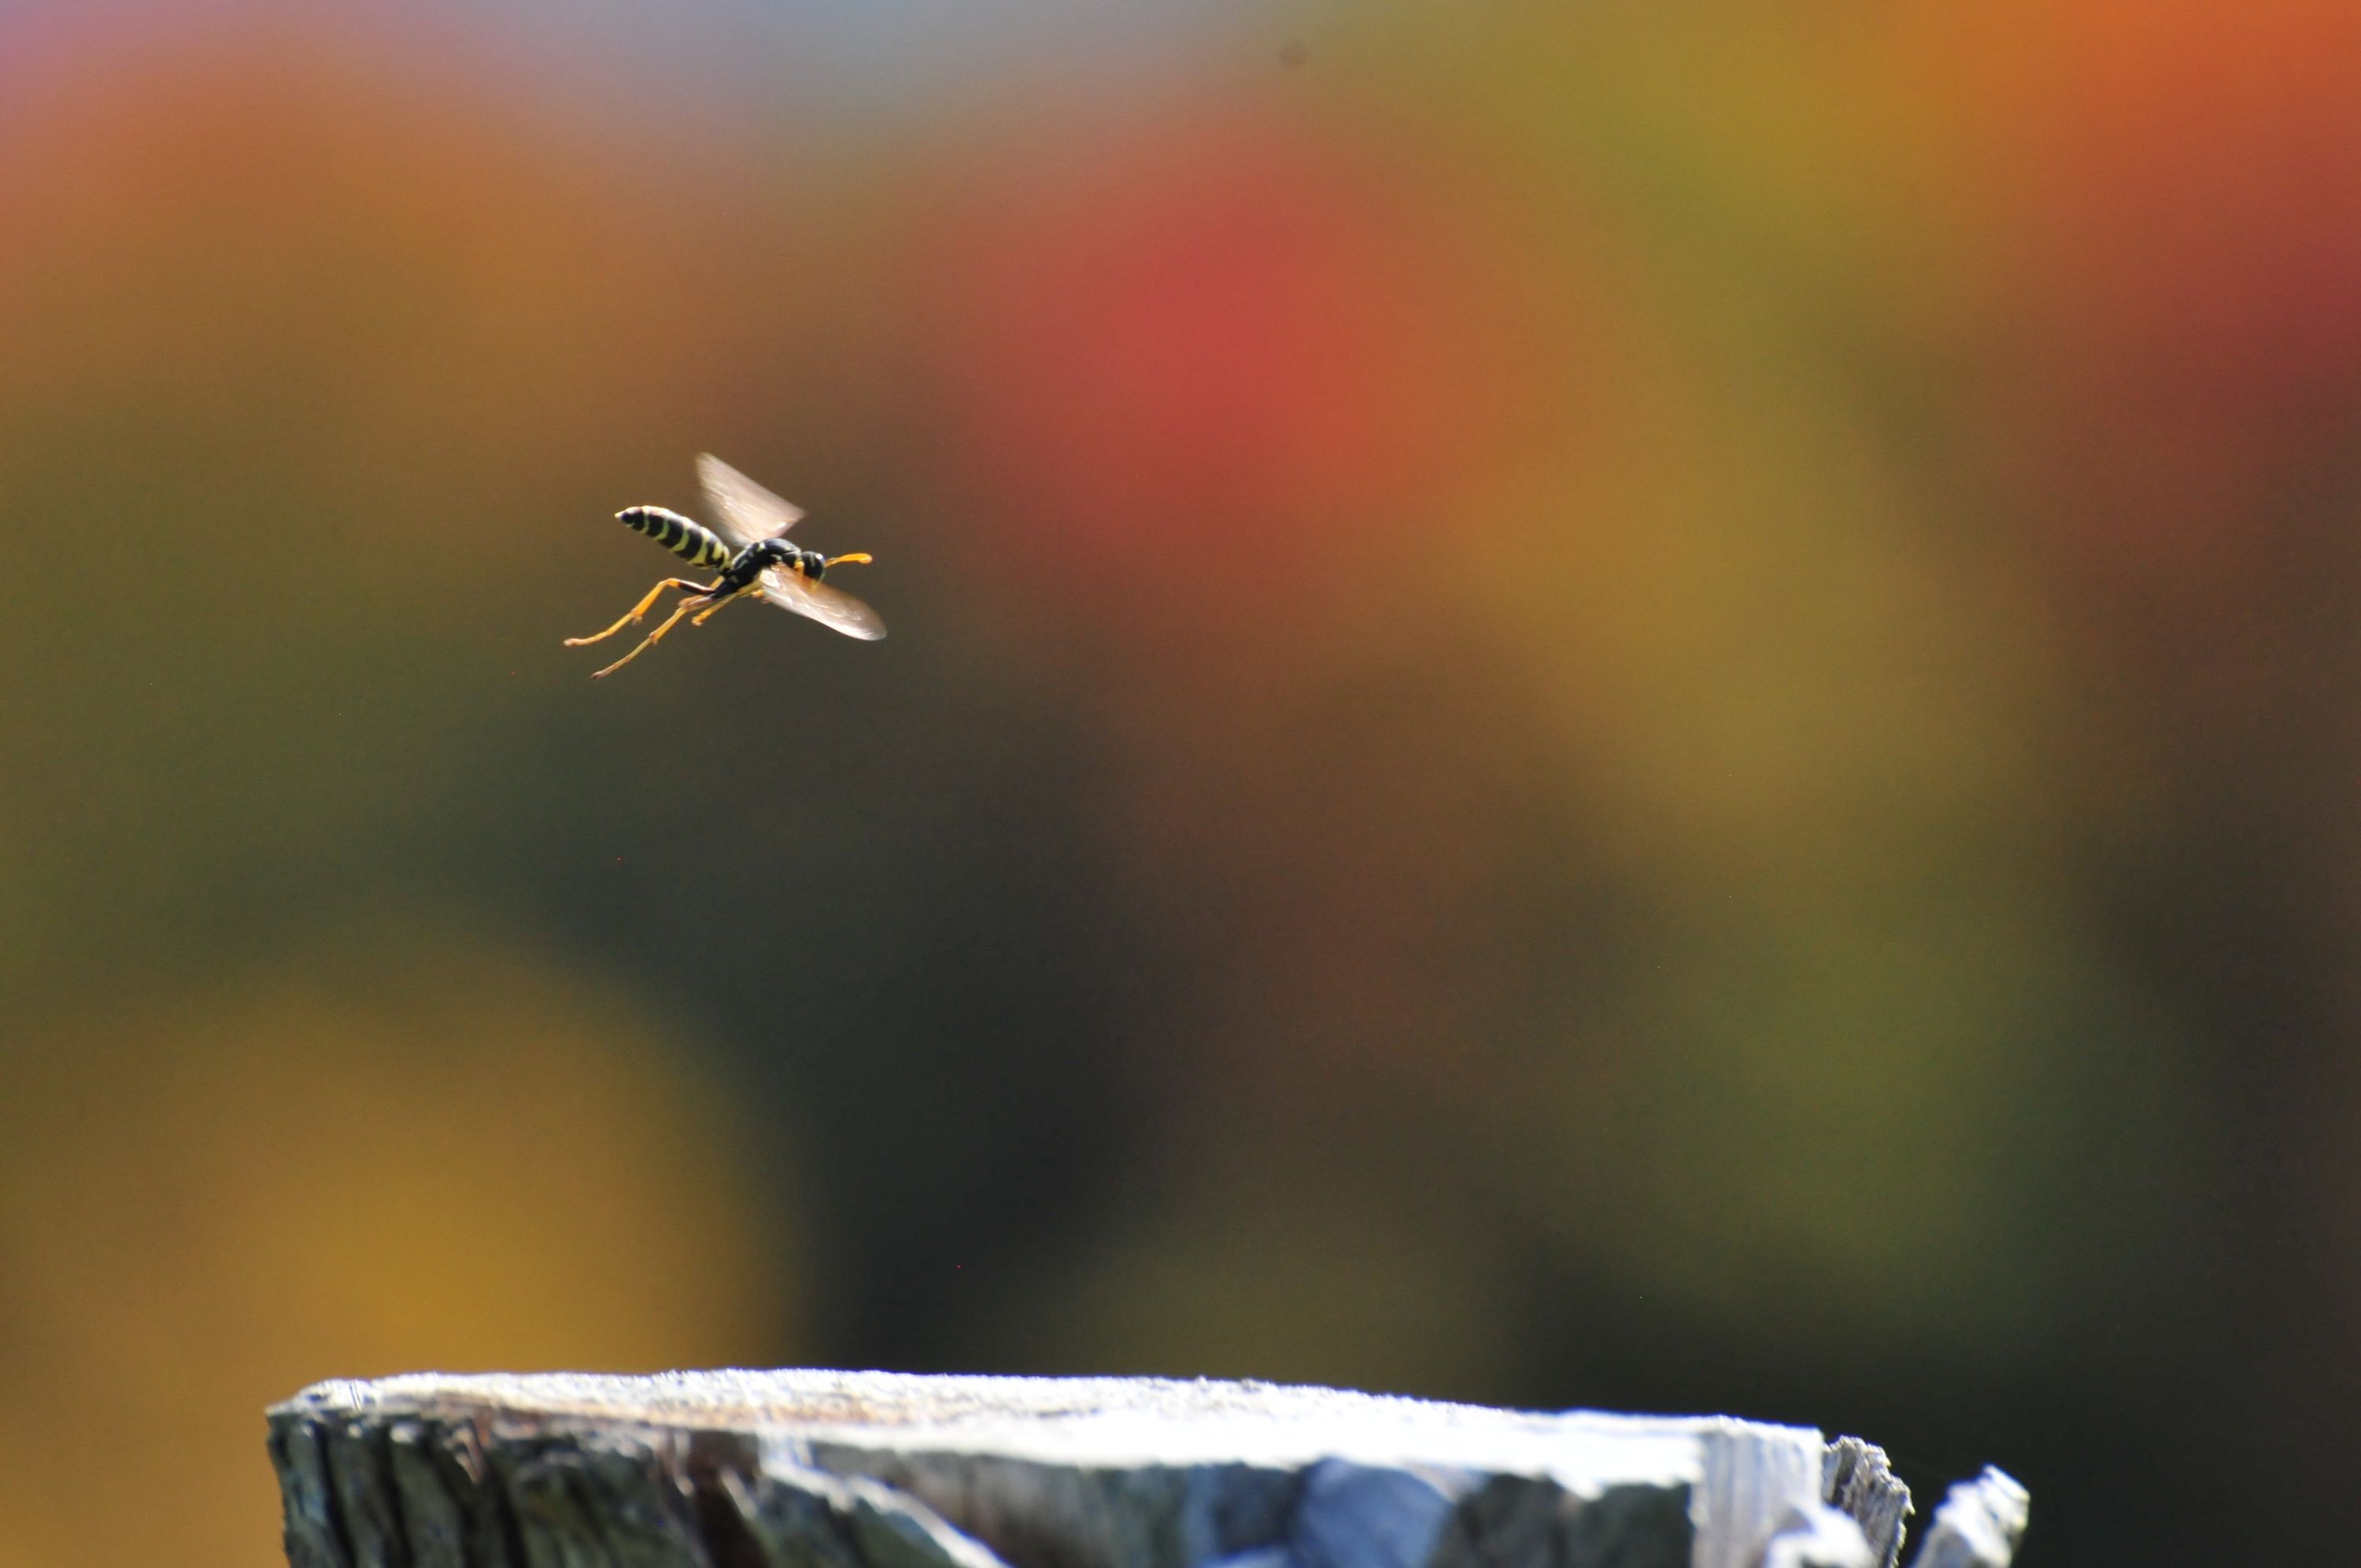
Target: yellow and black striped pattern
x: 697, y: 545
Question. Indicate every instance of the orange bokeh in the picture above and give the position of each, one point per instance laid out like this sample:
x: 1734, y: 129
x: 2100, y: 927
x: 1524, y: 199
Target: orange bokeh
x: 2178, y: 185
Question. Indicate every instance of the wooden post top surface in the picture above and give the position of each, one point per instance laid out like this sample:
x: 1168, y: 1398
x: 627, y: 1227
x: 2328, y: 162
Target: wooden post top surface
x: 811, y: 1468
x: 1137, y: 1419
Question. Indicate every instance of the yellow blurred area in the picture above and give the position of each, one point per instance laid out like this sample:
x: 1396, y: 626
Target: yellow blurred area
x: 373, y: 1157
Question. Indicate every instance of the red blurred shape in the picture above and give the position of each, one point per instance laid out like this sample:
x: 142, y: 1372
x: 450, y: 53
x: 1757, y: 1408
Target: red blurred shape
x: 1232, y: 334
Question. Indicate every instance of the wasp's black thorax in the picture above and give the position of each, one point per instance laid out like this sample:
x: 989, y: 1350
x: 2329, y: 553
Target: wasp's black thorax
x: 752, y: 561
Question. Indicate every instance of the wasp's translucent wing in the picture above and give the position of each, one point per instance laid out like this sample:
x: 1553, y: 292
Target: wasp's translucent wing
x: 829, y: 606
x: 743, y: 510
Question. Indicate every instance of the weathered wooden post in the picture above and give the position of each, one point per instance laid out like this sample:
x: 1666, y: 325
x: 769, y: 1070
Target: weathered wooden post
x: 873, y: 1470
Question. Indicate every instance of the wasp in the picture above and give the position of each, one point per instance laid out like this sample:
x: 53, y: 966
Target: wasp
x: 753, y: 555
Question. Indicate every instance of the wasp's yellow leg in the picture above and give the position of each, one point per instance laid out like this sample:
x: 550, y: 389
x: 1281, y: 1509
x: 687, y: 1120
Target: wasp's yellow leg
x: 716, y: 609
x: 639, y: 611
x: 860, y: 558
x: 652, y: 638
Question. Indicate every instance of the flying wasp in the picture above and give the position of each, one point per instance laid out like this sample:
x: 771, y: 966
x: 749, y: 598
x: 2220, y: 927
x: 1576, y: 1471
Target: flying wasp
x: 753, y: 558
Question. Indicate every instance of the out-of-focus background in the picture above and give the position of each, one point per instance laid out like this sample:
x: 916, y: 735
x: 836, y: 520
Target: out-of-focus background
x: 1650, y: 707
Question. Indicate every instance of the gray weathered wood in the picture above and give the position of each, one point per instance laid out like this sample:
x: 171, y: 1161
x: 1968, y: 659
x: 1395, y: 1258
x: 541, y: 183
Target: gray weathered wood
x: 808, y: 1469
x: 1855, y: 1480
x: 1978, y: 1525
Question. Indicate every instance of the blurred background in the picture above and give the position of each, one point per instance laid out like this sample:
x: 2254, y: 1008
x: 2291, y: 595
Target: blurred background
x: 1644, y: 706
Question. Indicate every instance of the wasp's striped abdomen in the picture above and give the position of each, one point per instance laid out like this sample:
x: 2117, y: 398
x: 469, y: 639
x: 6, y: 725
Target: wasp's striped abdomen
x: 691, y: 541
